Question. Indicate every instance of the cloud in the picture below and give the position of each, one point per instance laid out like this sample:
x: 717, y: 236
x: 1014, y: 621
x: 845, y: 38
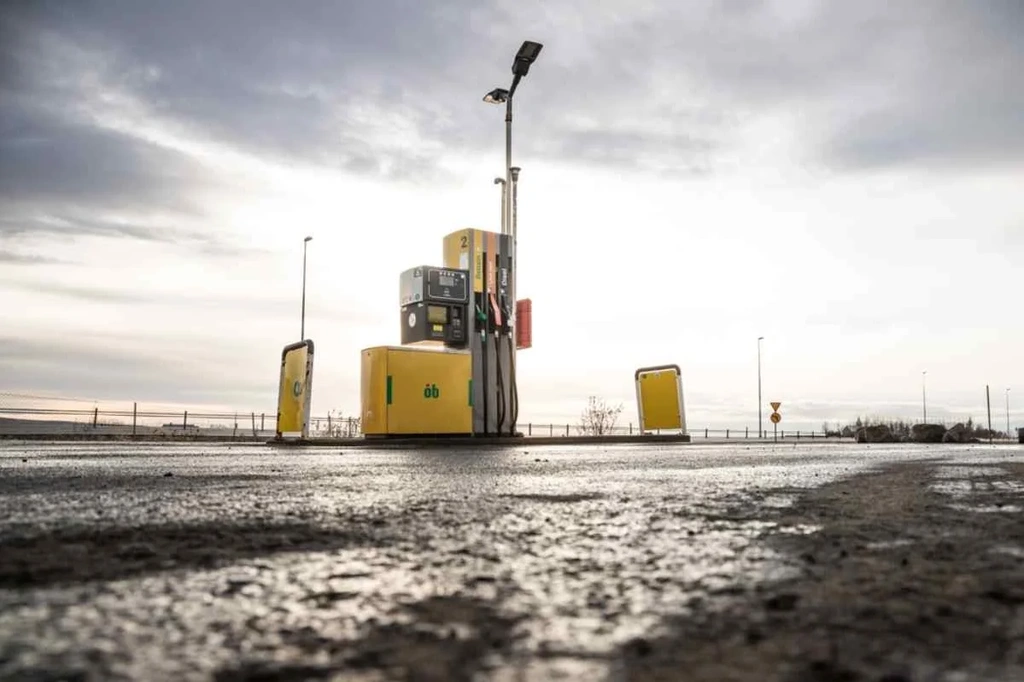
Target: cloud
x: 392, y: 89
x: 67, y: 164
x: 77, y: 292
x: 325, y: 85
x: 17, y: 258
x: 151, y: 229
x: 109, y: 372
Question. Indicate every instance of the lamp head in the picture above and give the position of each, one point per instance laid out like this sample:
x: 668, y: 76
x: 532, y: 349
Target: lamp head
x: 526, y: 56
x: 496, y: 96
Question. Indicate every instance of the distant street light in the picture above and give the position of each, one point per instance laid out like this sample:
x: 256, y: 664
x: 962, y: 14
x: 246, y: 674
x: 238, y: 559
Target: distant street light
x: 924, y: 397
x: 305, y: 243
x: 759, y: 426
x: 1008, y: 413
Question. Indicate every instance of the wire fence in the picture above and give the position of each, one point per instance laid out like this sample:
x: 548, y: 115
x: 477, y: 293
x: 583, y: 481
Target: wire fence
x: 41, y: 421
x: 28, y: 415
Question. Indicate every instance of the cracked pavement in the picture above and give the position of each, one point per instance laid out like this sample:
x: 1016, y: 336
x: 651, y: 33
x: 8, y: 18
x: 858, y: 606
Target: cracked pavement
x: 724, y: 562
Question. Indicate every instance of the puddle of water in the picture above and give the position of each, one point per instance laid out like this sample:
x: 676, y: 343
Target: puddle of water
x: 1009, y: 550
x: 799, y: 529
x: 955, y: 488
x: 959, y: 471
x: 778, y: 501
x: 987, y: 509
x: 889, y: 544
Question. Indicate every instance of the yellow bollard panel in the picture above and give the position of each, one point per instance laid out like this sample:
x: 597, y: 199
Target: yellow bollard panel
x: 295, y: 389
x: 659, y: 398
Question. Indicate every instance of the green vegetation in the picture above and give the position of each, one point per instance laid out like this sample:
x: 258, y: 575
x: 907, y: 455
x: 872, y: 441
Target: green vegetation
x: 901, y: 428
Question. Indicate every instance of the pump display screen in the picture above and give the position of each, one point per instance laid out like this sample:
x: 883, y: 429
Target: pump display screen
x: 447, y: 285
x: 437, y: 314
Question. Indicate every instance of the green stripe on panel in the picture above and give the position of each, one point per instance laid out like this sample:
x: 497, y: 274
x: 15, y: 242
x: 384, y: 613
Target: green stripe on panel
x: 389, y: 389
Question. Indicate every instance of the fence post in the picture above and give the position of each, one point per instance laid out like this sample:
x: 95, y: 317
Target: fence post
x: 529, y: 429
x: 705, y: 433
x: 631, y: 428
x: 798, y: 434
x: 746, y: 432
x: 727, y: 433
x: 263, y: 416
x: 253, y: 424
x: 551, y: 430
x: 135, y: 415
x: 184, y: 420
x: 567, y: 430
x: 95, y: 416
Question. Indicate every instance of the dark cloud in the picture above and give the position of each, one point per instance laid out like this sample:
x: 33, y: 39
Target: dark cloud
x: 390, y: 89
x: 73, y: 226
x: 62, y: 163
x: 336, y: 83
x: 19, y: 258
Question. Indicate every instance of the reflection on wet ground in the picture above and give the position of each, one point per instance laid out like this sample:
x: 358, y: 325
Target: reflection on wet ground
x: 248, y: 563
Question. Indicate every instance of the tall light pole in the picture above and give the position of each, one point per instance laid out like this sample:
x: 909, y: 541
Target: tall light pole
x: 759, y: 427
x: 924, y: 397
x: 524, y: 58
x: 527, y: 54
x: 305, y: 243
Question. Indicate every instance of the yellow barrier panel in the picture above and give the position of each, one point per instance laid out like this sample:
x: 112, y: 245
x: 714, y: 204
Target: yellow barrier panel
x: 659, y: 398
x: 295, y: 389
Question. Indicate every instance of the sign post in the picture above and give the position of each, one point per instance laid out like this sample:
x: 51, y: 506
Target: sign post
x: 776, y: 418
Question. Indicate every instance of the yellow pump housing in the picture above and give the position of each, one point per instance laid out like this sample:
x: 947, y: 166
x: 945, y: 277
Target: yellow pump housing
x: 410, y: 390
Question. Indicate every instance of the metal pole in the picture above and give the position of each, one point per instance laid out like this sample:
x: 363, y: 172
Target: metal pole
x: 924, y: 398
x: 760, y: 427
x: 504, y: 204
x: 508, y: 165
x: 302, y: 333
x: 513, y: 229
x: 1008, y: 413
x: 988, y: 406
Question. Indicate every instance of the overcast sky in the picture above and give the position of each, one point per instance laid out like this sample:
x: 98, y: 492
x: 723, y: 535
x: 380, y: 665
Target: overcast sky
x: 844, y: 179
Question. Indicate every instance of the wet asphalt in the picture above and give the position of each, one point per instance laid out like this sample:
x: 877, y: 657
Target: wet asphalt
x: 221, y: 562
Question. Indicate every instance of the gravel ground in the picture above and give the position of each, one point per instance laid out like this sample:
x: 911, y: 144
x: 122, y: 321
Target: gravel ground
x: 809, y: 562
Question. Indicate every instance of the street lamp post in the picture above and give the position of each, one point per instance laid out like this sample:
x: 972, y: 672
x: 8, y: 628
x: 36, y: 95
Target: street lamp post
x: 924, y: 397
x: 760, y: 430
x: 305, y: 243
x: 527, y: 54
x: 524, y: 58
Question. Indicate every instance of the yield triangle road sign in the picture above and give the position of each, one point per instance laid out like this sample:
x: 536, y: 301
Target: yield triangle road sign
x: 775, y: 406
